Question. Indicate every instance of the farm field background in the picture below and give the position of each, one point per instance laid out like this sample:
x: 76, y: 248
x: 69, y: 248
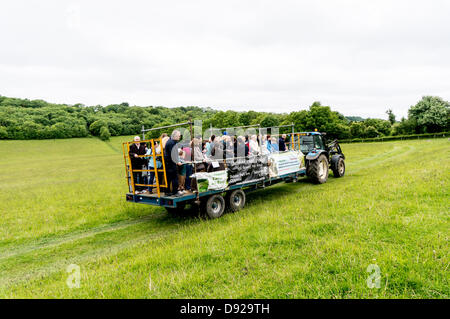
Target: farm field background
x: 63, y: 202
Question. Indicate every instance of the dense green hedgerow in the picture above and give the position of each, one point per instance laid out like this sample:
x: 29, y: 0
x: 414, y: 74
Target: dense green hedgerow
x: 36, y: 119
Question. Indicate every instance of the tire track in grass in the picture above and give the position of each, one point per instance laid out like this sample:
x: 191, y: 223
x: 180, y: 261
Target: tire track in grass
x: 54, y: 241
x: 369, y: 162
x: 9, y: 278
x: 378, y: 155
x: 49, y: 259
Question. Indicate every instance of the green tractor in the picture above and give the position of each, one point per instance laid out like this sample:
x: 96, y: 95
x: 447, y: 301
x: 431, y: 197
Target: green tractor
x: 320, y: 156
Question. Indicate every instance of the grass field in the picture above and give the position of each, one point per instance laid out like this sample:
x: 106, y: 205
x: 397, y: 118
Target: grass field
x: 62, y: 202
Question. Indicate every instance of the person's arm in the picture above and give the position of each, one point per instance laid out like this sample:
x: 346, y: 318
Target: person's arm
x: 132, y: 153
x: 174, y: 153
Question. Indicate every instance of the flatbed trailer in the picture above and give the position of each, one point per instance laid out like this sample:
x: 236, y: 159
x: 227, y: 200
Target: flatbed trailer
x: 180, y: 201
x: 317, y: 158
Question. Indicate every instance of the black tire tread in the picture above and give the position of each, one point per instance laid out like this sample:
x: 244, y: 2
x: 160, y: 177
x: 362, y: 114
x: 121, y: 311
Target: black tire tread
x: 312, y: 169
x: 207, y: 206
x: 335, y: 165
x: 229, y: 199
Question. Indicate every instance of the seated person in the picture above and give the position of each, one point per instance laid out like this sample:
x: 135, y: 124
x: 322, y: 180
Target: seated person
x: 198, y: 155
x: 253, y: 146
x: 273, y: 146
x: 282, y: 143
x: 265, y: 144
x: 209, y: 145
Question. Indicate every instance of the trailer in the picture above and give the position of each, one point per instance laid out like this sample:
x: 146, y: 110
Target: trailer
x: 309, y: 154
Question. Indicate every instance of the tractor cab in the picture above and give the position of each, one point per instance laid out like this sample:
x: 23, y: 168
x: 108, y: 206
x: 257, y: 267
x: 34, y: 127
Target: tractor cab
x: 311, y: 141
x: 320, y: 155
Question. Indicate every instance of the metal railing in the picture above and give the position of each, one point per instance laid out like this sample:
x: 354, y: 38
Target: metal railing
x: 129, y: 169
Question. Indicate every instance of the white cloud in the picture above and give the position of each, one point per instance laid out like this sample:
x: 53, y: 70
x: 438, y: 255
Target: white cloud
x: 360, y: 57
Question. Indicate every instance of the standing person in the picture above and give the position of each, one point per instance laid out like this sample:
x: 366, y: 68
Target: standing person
x: 240, y: 147
x: 164, y: 140
x: 188, y: 165
x: 137, y: 149
x: 151, y: 165
x: 172, y: 161
x: 282, y: 143
x: 182, y: 172
x: 217, y: 149
x: 228, y: 147
x: 217, y: 156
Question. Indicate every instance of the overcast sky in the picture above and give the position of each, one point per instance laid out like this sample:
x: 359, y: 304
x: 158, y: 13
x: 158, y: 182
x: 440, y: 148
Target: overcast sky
x: 359, y: 57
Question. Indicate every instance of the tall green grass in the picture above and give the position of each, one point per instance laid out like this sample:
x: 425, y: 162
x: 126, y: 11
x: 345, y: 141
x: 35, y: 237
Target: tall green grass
x: 63, y: 202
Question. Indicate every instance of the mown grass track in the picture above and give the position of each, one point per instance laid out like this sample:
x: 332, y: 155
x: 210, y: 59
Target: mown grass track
x: 62, y: 202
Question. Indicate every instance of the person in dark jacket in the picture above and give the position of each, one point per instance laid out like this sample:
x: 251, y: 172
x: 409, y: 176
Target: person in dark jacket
x: 228, y: 148
x: 217, y: 156
x: 240, y: 147
x: 136, y: 149
x: 282, y: 143
x: 172, y: 161
x: 217, y: 149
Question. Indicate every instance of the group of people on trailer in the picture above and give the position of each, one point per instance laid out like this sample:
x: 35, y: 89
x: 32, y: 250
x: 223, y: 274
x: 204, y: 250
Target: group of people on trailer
x: 181, y: 160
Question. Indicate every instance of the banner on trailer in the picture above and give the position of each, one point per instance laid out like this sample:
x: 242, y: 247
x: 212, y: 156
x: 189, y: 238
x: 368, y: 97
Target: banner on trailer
x: 252, y: 169
x: 285, y: 163
x: 211, y: 181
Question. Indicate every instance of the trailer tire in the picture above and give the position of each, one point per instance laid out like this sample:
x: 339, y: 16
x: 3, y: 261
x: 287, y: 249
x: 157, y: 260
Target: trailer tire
x: 236, y: 200
x: 318, y: 169
x: 214, y: 206
x: 337, y: 166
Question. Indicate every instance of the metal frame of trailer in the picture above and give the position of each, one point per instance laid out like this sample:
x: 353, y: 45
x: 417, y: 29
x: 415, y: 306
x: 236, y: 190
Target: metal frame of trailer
x: 174, y: 201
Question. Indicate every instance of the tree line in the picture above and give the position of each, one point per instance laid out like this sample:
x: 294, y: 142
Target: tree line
x: 38, y: 119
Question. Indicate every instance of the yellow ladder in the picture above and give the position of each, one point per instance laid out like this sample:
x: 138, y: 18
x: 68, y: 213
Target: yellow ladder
x: 129, y: 170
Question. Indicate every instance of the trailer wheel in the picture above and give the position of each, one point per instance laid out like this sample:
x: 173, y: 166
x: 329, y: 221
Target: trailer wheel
x: 236, y: 200
x: 318, y: 169
x: 176, y: 210
x: 214, y: 206
x: 337, y: 166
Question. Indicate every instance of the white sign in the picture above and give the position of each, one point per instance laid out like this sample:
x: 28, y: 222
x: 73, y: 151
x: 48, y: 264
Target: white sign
x: 285, y: 163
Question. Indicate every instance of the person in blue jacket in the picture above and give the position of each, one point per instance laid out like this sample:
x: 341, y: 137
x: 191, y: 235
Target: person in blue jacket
x: 151, y: 165
x: 272, y: 146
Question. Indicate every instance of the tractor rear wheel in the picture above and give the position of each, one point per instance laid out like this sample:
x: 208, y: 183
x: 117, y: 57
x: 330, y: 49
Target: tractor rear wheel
x: 318, y: 169
x: 236, y: 200
x: 337, y: 166
x: 214, y: 206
